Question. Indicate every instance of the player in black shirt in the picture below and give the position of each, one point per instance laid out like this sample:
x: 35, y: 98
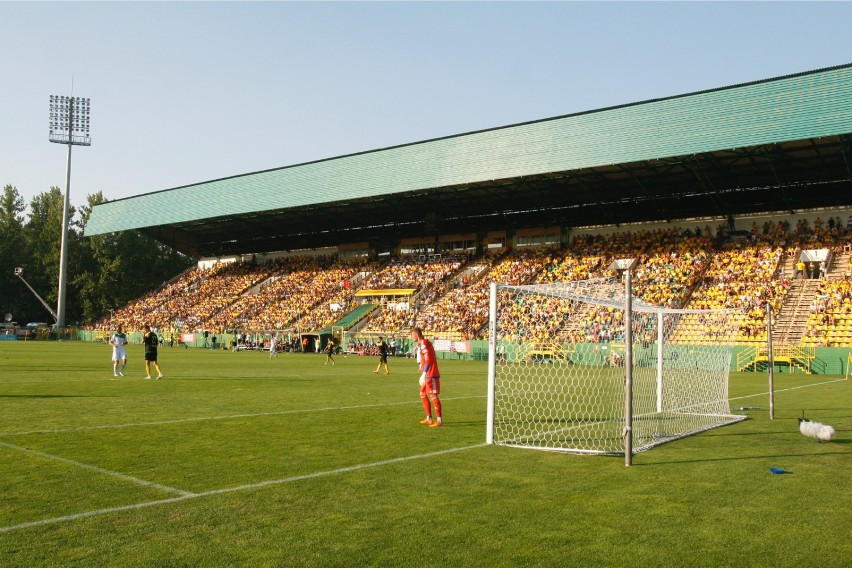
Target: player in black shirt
x: 383, y: 356
x: 329, y: 351
x: 150, y: 341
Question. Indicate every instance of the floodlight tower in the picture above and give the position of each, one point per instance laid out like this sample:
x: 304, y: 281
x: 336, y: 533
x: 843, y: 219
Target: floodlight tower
x: 69, y: 124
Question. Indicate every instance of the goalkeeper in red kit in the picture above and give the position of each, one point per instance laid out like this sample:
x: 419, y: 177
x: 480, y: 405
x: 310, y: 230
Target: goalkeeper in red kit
x: 430, y: 379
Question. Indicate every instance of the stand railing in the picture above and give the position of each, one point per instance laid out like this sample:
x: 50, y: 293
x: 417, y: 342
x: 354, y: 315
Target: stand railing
x: 755, y: 358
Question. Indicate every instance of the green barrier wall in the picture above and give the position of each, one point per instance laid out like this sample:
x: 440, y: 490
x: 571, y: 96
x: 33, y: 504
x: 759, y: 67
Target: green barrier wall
x: 829, y: 360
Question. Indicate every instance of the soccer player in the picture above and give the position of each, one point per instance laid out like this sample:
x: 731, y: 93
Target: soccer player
x: 150, y: 341
x: 119, y: 354
x: 273, y: 346
x: 329, y: 350
x: 430, y: 379
x: 383, y: 356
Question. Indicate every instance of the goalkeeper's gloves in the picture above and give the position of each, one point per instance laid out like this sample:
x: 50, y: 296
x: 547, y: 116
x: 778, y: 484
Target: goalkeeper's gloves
x: 423, y: 379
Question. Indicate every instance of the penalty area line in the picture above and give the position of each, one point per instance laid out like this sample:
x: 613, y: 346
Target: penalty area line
x: 97, y: 469
x: 225, y: 490
x: 787, y: 389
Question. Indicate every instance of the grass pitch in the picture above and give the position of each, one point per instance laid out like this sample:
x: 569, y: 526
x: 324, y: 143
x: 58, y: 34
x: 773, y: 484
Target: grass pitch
x: 238, y: 460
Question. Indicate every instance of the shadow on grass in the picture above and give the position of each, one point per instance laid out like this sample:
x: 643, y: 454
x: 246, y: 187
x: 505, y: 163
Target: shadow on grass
x: 796, y: 431
x: 768, y: 433
x: 741, y: 458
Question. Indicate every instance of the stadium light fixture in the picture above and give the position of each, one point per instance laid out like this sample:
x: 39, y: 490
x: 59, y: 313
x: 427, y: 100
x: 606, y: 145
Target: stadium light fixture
x: 69, y: 125
x: 622, y: 264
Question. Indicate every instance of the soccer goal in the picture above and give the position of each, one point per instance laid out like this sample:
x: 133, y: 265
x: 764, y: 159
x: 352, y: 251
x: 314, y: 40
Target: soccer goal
x: 563, y: 366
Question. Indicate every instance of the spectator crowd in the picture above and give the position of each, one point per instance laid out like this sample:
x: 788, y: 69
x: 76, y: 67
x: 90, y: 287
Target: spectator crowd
x: 696, y: 269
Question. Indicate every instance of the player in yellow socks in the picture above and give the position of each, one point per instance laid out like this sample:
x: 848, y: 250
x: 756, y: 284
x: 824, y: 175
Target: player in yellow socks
x: 383, y: 356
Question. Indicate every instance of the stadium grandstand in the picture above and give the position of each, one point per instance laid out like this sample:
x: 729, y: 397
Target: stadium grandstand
x: 734, y: 197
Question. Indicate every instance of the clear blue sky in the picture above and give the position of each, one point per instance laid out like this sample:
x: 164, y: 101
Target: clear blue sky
x: 188, y: 92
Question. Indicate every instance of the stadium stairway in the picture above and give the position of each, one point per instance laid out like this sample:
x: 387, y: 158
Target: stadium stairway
x: 352, y: 318
x: 839, y: 264
x: 697, y: 282
x: 788, y: 264
x: 255, y: 290
x: 791, y: 321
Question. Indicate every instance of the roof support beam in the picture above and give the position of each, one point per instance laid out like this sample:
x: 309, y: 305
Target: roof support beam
x: 767, y: 152
x: 844, y: 139
x: 605, y: 213
x: 639, y: 184
x: 696, y: 165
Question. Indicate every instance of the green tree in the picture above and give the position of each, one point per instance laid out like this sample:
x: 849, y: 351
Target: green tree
x: 105, y: 272
x: 43, y: 233
x: 98, y: 269
x: 13, y: 294
x: 119, y: 267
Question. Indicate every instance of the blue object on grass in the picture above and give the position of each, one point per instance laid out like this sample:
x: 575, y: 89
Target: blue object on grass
x: 777, y: 470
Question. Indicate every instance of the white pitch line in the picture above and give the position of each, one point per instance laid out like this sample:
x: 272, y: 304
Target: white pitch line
x: 247, y: 487
x: 223, y: 417
x: 335, y: 471
x: 788, y: 389
x: 95, y: 513
x: 97, y: 469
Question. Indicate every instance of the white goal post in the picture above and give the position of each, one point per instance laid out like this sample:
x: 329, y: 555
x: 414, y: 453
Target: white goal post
x: 558, y: 374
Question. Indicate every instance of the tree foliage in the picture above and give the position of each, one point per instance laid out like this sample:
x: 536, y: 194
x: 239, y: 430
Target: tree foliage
x: 104, y: 271
x: 12, y: 250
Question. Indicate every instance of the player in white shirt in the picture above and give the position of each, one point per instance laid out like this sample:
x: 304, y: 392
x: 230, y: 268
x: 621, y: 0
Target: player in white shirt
x: 119, y: 354
x: 273, y: 346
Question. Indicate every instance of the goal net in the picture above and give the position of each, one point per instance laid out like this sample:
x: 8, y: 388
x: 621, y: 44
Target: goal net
x: 558, y: 369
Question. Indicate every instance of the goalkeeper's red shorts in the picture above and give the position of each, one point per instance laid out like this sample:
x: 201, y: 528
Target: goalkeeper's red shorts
x: 432, y: 386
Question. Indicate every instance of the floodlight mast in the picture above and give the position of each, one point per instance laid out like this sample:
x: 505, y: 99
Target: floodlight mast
x: 69, y: 124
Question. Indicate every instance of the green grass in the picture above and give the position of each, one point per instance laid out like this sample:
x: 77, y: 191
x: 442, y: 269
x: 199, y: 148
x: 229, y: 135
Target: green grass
x: 288, y: 462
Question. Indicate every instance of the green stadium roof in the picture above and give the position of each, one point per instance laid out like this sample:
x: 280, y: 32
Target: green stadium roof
x: 593, y: 148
